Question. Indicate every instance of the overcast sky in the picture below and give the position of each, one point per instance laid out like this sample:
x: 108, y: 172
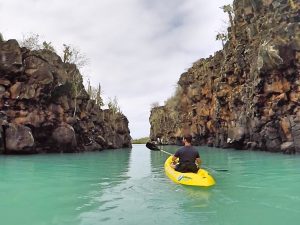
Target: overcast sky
x: 137, y: 48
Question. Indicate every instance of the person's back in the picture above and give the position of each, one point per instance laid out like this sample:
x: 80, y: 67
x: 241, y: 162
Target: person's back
x: 188, y: 157
x: 187, y: 154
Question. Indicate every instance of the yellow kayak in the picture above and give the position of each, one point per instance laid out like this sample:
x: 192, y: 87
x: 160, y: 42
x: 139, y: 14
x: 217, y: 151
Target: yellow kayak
x: 201, y: 179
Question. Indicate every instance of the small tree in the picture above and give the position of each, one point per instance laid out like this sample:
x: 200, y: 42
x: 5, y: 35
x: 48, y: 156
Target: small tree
x: 99, y: 100
x: 67, y: 53
x: 73, y: 55
x: 89, y: 89
x: 31, y: 41
x: 48, y: 46
x: 154, y: 105
x: 113, y: 105
x: 228, y: 9
x: 77, y: 88
x: 95, y: 94
x: 222, y: 37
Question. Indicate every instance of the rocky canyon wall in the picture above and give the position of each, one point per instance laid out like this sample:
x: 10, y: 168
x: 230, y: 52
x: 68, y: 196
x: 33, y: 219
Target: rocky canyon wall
x: 246, y: 96
x: 37, y: 104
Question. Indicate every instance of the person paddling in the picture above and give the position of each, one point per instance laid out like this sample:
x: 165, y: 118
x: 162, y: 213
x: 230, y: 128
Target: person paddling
x: 189, y: 158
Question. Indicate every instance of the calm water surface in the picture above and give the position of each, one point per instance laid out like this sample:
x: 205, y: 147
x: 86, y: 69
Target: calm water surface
x: 129, y: 187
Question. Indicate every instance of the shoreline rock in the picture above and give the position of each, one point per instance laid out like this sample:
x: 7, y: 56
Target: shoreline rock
x: 37, y: 107
x: 248, y: 94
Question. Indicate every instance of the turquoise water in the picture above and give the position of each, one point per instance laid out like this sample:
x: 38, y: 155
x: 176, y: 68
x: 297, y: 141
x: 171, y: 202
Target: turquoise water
x: 128, y: 187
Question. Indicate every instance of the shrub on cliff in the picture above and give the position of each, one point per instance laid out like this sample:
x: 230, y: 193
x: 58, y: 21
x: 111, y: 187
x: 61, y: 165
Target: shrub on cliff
x: 222, y: 37
x: 31, y: 41
x: 113, y: 105
x: 95, y: 94
x: 48, y: 46
x: 73, y: 55
x: 229, y: 9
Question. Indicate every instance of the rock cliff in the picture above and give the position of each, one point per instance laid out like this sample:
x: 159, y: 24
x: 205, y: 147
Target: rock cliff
x: 246, y: 96
x: 37, y: 104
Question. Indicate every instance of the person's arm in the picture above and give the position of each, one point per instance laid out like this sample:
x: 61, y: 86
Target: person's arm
x: 175, y: 157
x: 198, y: 162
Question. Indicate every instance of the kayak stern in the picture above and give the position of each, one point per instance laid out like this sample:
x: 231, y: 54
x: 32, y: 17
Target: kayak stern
x: 201, y: 179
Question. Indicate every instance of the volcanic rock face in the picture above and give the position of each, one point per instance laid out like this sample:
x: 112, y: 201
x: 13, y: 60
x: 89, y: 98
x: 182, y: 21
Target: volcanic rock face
x: 37, y: 105
x: 248, y: 94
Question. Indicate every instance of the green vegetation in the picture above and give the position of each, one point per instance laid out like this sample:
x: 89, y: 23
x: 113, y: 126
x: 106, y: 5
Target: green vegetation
x: 70, y: 54
x: 74, y: 86
x: 113, y: 105
x: 31, y: 41
x: 143, y: 140
x: 154, y: 105
x: 222, y: 37
x: 95, y: 94
x: 48, y: 46
x: 229, y: 9
x: 77, y: 88
x: 73, y: 55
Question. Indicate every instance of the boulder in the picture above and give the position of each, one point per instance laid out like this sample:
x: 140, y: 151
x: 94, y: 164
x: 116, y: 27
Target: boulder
x: 10, y: 57
x: 64, y: 135
x: 19, y: 139
x: 288, y: 147
x: 42, y: 76
x: 15, y: 90
x: 251, y: 145
x: 236, y: 134
x: 93, y: 147
x: 2, y: 89
x: 5, y: 82
x: 100, y: 140
x: 295, y: 96
x: 286, y: 128
x: 279, y: 86
x: 273, y: 145
x: 268, y: 57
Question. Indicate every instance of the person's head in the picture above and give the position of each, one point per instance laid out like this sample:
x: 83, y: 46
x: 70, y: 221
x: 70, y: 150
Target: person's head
x: 187, y: 139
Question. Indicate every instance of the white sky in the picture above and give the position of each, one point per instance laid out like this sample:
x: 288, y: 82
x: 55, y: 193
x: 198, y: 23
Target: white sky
x: 137, y: 48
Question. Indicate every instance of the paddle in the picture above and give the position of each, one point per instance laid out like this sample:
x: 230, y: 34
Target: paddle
x: 206, y: 167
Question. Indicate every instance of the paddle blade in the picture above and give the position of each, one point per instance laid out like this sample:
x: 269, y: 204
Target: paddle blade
x: 152, y: 146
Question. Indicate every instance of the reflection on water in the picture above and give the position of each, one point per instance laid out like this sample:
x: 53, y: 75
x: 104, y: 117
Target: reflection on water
x: 130, y: 187
x: 57, y: 188
x: 139, y: 166
x: 127, y: 198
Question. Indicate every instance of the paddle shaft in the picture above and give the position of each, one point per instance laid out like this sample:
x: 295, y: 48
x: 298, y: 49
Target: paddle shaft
x: 168, y: 153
